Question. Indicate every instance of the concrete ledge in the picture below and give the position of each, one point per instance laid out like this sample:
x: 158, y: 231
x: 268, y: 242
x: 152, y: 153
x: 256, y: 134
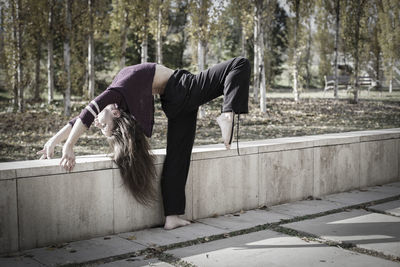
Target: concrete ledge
x: 42, y: 204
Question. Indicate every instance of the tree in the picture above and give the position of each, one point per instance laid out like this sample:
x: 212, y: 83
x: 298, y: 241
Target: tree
x: 91, y: 49
x: 300, y: 43
x: 325, y: 19
x: 158, y: 26
x: 276, y: 45
x: 144, y: 8
x: 389, y: 23
x: 337, y: 30
x: 295, y: 6
x: 202, y: 28
x: 263, y: 16
x: 354, y: 36
x: 176, y: 37
x: 374, y: 56
x: 67, y: 58
x: 50, y: 51
x: 120, y: 24
x: 35, y: 29
x: 17, y: 53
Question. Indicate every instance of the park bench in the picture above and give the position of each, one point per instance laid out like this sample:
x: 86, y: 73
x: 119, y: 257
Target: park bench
x: 345, y: 81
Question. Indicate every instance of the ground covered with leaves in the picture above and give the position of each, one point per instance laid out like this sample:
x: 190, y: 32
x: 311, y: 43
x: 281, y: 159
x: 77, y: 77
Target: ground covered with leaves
x: 22, y: 134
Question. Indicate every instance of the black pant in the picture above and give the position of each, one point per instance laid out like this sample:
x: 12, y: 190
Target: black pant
x: 183, y: 95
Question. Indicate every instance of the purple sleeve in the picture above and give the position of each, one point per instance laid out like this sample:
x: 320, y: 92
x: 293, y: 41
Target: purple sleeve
x: 87, y: 115
x: 72, y: 122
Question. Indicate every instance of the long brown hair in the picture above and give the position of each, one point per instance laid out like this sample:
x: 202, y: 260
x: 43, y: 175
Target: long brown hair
x: 133, y: 157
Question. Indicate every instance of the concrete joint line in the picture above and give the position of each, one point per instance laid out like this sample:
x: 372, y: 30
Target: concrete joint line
x: 225, y: 157
x: 343, y: 245
x: 379, y: 211
x: 61, y: 173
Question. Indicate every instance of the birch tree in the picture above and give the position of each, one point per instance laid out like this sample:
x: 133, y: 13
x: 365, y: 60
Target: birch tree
x: 91, y: 49
x: 67, y: 58
x: 50, y: 51
x: 259, y: 18
x: 159, y: 24
x: 295, y: 6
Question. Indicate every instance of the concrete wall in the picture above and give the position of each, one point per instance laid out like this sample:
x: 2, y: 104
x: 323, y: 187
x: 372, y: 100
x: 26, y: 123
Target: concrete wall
x: 42, y: 204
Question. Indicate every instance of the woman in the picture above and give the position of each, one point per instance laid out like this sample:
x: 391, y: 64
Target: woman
x: 125, y: 114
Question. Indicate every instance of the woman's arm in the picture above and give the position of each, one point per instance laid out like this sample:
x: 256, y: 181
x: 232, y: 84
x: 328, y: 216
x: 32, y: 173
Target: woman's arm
x: 68, y: 157
x: 48, y: 149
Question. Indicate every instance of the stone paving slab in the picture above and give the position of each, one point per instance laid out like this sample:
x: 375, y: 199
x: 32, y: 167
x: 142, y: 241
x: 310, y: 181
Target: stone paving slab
x: 356, y: 197
x: 396, y: 184
x: 160, y: 237
x: 306, y: 207
x: 269, y: 248
x: 136, y: 262
x: 19, y: 261
x: 391, y: 207
x: 248, y: 219
x: 368, y: 230
x: 389, y: 189
x: 83, y: 251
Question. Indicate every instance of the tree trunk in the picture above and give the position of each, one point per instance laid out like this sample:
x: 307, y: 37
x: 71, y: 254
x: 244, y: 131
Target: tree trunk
x: 308, y: 55
x: 378, y: 72
x: 37, y: 68
x: 159, y: 36
x: 145, y: 42
x: 67, y: 68
x: 124, y: 40
x: 1, y: 34
x: 243, y: 51
x: 21, y: 102
x: 337, y: 10
x: 201, y: 58
x: 357, y: 56
x: 50, y: 64
x: 263, y: 106
x: 144, y: 49
x: 295, y: 58
x: 15, y: 55
x: 256, y: 83
x: 50, y: 71
x: 391, y: 76
x: 91, y: 51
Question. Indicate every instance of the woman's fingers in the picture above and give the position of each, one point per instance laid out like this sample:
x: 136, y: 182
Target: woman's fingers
x: 40, y: 152
x: 67, y: 163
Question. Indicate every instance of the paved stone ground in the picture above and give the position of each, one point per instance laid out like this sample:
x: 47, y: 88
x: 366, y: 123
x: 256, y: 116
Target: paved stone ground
x: 356, y: 228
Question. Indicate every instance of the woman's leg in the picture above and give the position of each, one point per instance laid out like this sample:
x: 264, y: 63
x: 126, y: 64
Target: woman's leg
x: 180, y: 138
x: 230, y: 78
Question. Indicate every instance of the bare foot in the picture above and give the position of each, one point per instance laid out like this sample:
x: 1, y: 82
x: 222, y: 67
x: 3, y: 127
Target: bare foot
x: 173, y: 221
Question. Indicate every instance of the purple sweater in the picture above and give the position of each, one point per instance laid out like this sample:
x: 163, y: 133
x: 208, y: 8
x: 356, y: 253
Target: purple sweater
x: 131, y: 90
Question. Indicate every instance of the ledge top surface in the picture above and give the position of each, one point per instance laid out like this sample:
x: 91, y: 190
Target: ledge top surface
x: 29, y: 168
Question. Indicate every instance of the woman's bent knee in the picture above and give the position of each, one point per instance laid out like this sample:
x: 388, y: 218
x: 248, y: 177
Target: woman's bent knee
x: 244, y: 63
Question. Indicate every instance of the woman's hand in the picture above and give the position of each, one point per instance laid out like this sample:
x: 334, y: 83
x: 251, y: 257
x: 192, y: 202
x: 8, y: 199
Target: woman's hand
x: 68, y: 157
x: 48, y: 149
